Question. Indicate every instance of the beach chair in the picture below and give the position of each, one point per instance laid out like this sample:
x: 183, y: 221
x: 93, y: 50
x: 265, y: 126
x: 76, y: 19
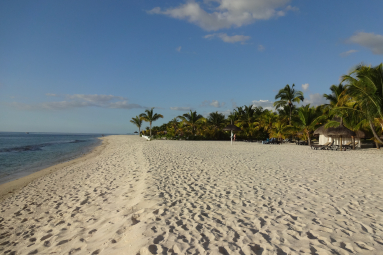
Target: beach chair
x: 329, y: 146
x: 265, y: 142
x: 344, y: 146
x: 318, y: 146
x: 349, y: 145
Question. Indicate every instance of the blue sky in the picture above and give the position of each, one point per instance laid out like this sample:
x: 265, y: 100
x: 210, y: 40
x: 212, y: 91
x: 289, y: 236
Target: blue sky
x: 90, y: 66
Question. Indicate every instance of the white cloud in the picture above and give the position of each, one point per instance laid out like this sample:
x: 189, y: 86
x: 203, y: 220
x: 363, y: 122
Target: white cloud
x: 178, y: 49
x: 78, y: 101
x: 61, y: 105
x: 315, y: 100
x: 265, y: 104
x: 213, y: 15
x: 261, y: 47
x: 123, y: 105
x: 213, y: 103
x: 180, y: 108
x: 229, y: 39
x: 345, y: 54
x: 305, y: 86
x: 233, y: 104
x: 217, y: 104
x: 369, y: 40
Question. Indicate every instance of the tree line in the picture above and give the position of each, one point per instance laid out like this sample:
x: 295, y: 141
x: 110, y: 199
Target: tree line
x: 357, y: 101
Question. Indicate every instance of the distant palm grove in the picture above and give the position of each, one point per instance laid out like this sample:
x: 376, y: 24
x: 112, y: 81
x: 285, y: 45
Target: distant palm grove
x: 357, y: 101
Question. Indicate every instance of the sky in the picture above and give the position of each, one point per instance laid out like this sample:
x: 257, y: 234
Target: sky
x: 89, y: 66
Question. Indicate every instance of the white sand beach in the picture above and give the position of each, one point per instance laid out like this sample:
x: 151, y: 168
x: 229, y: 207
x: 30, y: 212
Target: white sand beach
x: 132, y: 196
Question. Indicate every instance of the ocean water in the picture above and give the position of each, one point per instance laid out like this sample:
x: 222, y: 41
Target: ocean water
x: 22, y: 154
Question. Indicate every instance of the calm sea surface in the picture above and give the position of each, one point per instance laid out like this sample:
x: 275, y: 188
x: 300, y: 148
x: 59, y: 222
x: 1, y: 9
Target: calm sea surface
x: 22, y: 154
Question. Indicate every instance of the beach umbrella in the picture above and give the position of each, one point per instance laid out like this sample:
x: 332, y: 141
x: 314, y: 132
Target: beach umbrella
x: 340, y: 131
x: 231, y: 128
x: 135, y: 132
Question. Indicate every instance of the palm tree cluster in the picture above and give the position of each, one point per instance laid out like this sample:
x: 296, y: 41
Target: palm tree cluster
x: 148, y: 116
x: 357, y: 101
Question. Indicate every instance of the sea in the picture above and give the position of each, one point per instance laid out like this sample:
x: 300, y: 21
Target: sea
x: 22, y: 154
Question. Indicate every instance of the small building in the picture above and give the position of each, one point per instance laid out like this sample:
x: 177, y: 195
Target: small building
x: 339, y: 134
x: 345, y: 140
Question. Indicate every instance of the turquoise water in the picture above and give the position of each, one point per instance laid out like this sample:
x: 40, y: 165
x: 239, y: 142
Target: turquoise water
x: 22, y: 154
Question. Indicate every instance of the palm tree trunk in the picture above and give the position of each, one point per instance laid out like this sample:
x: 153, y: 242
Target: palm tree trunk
x: 290, y: 115
x: 150, y: 129
x: 139, y: 132
x: 372, y: 126
x: 308, y: 138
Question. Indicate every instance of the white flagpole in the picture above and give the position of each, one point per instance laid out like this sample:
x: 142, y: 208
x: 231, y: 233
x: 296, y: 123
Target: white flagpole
x: 231, y: 137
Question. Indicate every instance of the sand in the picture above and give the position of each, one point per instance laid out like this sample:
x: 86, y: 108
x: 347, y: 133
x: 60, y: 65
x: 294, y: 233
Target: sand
x: 132, y: 196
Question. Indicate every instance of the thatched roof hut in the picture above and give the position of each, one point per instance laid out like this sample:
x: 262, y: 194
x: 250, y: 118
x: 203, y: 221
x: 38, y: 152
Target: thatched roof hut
x: 320, y: 131
x: 341, y: 131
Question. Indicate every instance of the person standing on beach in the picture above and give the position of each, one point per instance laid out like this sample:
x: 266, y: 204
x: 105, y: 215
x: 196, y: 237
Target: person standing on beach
x: 234, y: 138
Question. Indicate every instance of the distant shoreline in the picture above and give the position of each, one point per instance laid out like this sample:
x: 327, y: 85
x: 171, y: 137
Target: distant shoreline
x: 25, y: 158
x: 8, y: 188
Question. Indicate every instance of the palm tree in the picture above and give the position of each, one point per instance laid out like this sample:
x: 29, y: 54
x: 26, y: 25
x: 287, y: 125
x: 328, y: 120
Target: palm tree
x: 267, y: 119
x: 233, y: 117
x: 308, y: 120
x: 149, y: 116
x: 279, y: 130
x: 174, y: 124
x: 284, y: 113
x: 191, y: 119
x: 288, y: 95
x: 365, y: 86
x: 216, y: 119
x: 248, y: 115
x: 337, y: 92
x: 138, y: 122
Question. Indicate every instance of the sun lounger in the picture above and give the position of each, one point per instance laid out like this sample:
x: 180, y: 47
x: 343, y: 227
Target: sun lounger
x: 265, y: 142
x: 349, y: 145
x: 344, y: 146
x: 326, y: 146
x: 318, y: 146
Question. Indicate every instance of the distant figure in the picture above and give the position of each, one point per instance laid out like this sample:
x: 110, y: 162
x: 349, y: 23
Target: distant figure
x: 234, y: 137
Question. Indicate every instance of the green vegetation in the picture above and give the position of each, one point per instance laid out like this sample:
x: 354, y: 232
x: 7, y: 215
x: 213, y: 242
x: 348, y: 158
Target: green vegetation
x: 149, y: 116
x: 357, y: 101
x: 138, y: 122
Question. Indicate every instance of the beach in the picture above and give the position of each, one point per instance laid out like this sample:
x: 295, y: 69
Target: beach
x: 132, y: 196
